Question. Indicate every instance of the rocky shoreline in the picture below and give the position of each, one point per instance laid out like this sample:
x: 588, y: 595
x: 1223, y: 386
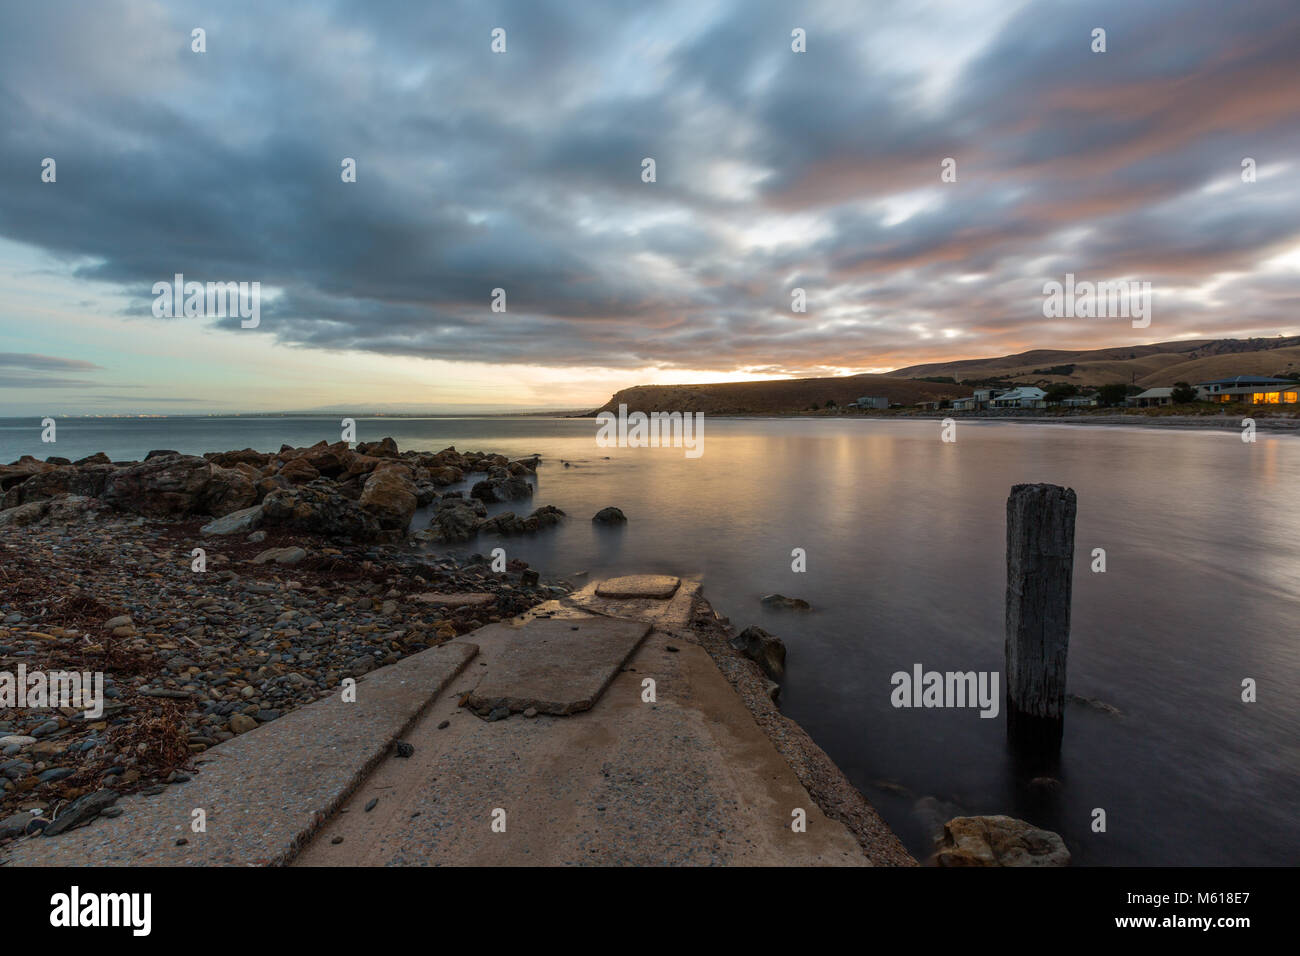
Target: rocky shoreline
x: 310, y: 574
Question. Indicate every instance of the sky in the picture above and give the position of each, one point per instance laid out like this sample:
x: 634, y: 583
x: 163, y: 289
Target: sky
x: 522, y: 170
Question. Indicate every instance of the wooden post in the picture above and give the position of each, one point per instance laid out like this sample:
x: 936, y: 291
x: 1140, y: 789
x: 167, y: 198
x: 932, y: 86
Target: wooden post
x: 1040, y: 562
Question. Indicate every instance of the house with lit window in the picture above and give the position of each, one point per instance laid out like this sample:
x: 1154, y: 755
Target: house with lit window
x: 1251, y: 390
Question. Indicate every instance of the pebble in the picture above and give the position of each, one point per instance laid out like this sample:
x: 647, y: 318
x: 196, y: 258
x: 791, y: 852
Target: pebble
x: 372, y: 804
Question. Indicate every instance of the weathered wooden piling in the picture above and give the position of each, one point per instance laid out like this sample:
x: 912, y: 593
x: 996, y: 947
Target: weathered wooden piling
x: 1040, y: 562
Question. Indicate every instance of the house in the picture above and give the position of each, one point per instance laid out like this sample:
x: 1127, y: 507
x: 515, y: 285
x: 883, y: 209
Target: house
x: 1027, y: 396
x: 1080, y: 401
x: 870, y: 401
x: 978, y: 401
x: 1151, y: 398
x: 1250, y: 389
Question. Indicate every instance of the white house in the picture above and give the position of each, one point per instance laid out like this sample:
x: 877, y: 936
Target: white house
x: 1080, y: 401
x: 1027, y: 396
x: 1151, y: 398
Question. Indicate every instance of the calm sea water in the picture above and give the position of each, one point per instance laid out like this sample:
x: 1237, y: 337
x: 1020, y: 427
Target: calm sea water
x: 906, y: 563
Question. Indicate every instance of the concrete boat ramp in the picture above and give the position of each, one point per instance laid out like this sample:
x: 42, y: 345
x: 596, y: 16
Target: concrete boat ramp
x: 591, y: 730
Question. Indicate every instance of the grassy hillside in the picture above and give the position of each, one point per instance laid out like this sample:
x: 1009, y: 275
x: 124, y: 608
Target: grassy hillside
x: 1147, y: 365
x: 776, y: 397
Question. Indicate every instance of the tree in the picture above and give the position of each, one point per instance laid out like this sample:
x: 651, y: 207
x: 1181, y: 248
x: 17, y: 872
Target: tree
x: 1061, y: 391
x: 1112, y: 395
x: 1182, y: 394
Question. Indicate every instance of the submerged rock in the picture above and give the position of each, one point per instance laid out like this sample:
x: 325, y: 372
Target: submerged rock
x: 609, y: 515
x: 999, y: 841
x: 764, y: 649
x: 781, y: 602
x: 457, y: 519
x: 508, y: 522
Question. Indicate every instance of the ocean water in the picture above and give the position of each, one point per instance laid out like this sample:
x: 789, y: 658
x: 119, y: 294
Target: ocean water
x: 904, y: 536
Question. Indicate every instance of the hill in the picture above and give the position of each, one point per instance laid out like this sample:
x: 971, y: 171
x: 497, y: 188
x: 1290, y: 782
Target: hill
x: 1146, y: 365
x: 776, y: 397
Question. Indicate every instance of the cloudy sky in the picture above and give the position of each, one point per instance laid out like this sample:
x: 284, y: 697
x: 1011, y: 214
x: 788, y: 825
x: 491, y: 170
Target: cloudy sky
x: 522, y: 170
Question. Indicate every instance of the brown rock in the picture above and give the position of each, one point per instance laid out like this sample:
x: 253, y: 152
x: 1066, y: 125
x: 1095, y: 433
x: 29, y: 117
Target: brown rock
x: 298, y: 472
x: 390, y: 497
x: 999, y: 841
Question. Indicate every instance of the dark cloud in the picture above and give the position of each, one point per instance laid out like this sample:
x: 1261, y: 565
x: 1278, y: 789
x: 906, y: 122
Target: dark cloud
x: 522, y: 171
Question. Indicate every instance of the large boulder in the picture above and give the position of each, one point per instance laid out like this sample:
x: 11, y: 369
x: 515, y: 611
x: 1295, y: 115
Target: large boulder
x: 229, y: 459
x: 329, y: 460
x: 319, y: 509
x: 999, y: 841
x: 163, y: 487
x: 457, y: 519
x: 228, y: 490
x: 764, y: 649
x: 21, y: 470
x: 298, y: 471
x: 609, y: 515
x: 384, y: 448
x: 85, y: 480
x: 443, y: 475
x: 391, y: 497
x: 363, y: 464
x: 23, y: 515
x: 502, y: 487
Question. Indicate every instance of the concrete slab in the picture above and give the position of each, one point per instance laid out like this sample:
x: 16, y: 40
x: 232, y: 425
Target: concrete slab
x: 556, y: 666
x: 687, y: 780
x: 264, y: 792
x: 675, y: 612
x: 657, y: 586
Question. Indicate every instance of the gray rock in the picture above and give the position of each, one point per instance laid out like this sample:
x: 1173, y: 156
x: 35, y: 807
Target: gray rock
x: 237, y: 522
x: 15, y: 826
x: 81, y: 810
x: 45, y: 729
